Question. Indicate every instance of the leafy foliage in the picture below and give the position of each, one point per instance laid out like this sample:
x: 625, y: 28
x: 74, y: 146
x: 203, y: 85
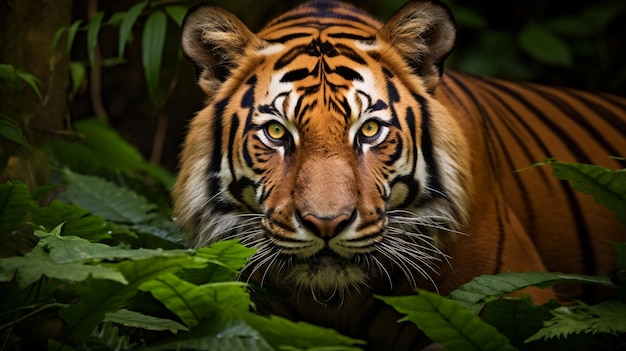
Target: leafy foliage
x: 517, y: 320
x: 447, y: 323
x: 483, y: 289
x: 106, y: 264
x: 97, y: 255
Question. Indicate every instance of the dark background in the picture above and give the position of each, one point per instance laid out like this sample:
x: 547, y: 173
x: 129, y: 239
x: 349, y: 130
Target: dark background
x: 490, y: 42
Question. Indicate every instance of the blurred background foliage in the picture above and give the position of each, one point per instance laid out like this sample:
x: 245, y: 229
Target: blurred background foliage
x: 127, y: 69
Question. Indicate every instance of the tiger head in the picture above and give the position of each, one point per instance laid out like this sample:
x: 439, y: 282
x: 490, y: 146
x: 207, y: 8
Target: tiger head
x: 322, y: 146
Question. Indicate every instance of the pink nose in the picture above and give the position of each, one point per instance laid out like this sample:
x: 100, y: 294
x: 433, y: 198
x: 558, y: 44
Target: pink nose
x: 325, y: 227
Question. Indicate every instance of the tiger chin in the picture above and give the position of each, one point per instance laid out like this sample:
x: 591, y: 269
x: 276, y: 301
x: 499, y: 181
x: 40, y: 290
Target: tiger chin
x: 339, y: 149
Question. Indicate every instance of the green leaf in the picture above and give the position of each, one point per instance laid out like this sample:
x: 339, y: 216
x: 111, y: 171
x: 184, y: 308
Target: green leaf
x: 606, y: 317
x: 161, y: 228
x: 31, y: 80
x: 228, y: 257
x: 71, y: 34
x: 222, y: 332
x: 607, y: 187
x: 446, y: 322
x: 127, y: 25
x: 31, y: 267
x: 78, y: 221
x: 518, y: 319
x: 98, y: 297
x: 10, y: 130
x: 482, y: 289
x: 138, y: 320
x: 541, y: 44
x: 106, y: 199
x: 153, y: 40
x: 284, y: 334
x: 15, y: 202
x: 93, y: 28
x: 113, y: 152
x: 176, y: 13
x: 78, y: 72
x: 68, y: 249
x: 116, y: 18
x: 192, y: 303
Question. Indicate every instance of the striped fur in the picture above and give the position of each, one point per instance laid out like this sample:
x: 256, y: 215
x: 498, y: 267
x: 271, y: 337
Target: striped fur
x: 338, y: 148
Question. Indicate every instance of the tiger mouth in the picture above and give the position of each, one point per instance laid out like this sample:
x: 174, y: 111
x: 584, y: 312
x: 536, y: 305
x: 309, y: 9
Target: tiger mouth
x: 325, y: 273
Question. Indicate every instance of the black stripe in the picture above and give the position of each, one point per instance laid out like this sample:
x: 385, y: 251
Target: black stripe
x: 295, y: 75
x: 573, y: 144
x: 501, y: 237
x: 397, y: 153
x: 288, y: 37
x: 428, y: 148
x: 567, y: 109
x: 351, y: 36
x: 483, y: 114
x: 348, y: 73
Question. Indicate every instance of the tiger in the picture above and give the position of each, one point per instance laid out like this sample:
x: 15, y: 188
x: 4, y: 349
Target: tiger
x: 339, y: 148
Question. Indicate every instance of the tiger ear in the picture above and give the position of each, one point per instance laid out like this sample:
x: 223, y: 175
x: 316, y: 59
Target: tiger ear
x: 214, y: 39
x: 424, y: 32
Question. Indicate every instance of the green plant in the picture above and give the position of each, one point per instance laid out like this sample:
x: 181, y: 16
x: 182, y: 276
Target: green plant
x: 516, y: 323
x: 104, y: 268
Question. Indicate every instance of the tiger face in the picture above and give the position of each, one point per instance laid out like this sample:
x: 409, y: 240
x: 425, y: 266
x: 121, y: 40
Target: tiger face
x: 322, y: 147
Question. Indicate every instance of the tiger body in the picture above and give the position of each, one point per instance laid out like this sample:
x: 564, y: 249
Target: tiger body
x: 337, y: 147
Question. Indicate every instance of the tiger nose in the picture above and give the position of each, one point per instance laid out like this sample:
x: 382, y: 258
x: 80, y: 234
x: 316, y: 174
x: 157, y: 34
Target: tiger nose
x: 326, y: 227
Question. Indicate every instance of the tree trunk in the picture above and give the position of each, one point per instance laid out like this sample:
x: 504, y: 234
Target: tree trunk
x: 27, y: 29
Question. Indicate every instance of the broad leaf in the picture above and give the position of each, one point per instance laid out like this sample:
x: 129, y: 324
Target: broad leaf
x: 485, y: 288
x: 228, y: 257
x: 153, y: 41
x: 15, y: 202
x: 113, y: 152
x: 138, y: 320
x: 192, y: 303
x: 446, y: 322
x: 518, y: 319
x: 98, y: 297
x: 36, y: 264
x: 67, y: 249
x: 222, y: 332
x: 78, y: 221
x: 106, y: 199
x: 284, y: 334
x: 182, y: 298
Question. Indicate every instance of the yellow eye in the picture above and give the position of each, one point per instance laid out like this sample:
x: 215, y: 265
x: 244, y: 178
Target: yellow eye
x: 275, y: 131
x: 370, y: 129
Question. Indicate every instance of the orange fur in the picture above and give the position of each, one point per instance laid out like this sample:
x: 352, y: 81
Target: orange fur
x: 430, y: 200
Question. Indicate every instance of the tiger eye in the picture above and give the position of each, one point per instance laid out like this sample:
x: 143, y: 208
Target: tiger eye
x: 275, y: 130
x: 370, y: 128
